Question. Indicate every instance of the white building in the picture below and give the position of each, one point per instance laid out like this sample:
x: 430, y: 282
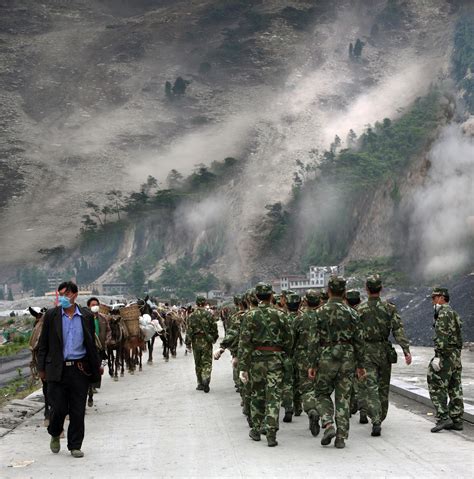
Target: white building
x: 317, y: 277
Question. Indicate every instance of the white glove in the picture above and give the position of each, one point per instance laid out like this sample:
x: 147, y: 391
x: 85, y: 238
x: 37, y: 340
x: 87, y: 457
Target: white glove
x: 244, y: 377
x: 218, y: 353
x: 436, y: 364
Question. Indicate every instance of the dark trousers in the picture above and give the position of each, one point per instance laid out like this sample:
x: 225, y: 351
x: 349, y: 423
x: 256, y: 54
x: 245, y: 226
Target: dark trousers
x: 68, y: 396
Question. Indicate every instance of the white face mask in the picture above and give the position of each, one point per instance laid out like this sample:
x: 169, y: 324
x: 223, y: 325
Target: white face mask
x: 95, y: 309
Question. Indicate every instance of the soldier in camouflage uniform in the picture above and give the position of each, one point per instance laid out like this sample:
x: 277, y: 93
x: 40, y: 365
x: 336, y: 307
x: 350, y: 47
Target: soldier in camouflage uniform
x: 303, y: 328
x: 231, y: 339
x: 357, y: 402
x: 336, y: 349
x: 444, y: 370
x: 323, y: 297
x: 265, y: 340
x: 379, y: 318
x: 291, y: 398
x: 201, y: 334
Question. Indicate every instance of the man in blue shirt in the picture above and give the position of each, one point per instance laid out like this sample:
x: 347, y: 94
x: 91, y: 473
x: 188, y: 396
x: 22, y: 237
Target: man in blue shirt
x: 69, y: 361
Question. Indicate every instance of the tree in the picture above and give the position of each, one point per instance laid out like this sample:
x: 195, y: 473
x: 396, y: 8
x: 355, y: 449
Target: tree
x: 96, y: 211
x: 88, y: 223
x: 150, y: 184
x: 359, y: 45
x: 174, y: 179
x: 10, y: 295
x: 2, y: 294
x: 351, y: 139
x: 116, y: 199
x: 137, y: 278
x: 351, y: 50
x: 168, y: 91
x: 179, y: 87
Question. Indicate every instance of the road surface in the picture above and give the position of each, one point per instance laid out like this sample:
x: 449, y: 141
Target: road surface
x: 155, y: 424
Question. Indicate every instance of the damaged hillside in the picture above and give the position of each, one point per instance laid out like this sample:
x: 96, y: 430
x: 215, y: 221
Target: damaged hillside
x: 200, y: 145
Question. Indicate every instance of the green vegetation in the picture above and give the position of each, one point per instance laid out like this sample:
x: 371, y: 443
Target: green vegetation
x: 19, y: 343
x: 183, y: 280
x: 389, y: 268
x: 34, y: 279
x: 463, y: 57
x: 18, y: 388
x: 382, y: 152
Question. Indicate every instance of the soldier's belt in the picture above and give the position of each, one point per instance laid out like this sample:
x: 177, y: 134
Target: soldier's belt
x: 334, y: 343
x: 275, y: 349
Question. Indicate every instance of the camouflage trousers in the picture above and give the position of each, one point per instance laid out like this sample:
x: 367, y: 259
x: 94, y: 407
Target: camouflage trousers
x: 202, y: 352
x: 358, y: 401
x: 291, y: 396
x: 266, y: 376
x: 305, y: 387
x: 447, y: 383
x: 335, y: 375
x: 373, y: 392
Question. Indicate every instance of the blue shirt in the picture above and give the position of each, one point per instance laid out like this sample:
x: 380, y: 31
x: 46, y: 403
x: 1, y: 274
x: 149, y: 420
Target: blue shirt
x: 73, y: 336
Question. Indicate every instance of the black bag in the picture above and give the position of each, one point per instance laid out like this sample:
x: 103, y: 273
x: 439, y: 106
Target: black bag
x: 392, y: 355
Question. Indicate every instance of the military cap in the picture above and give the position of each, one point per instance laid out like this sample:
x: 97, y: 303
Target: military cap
x: 337, y: 284
x: 438, y: 291
x: 353, y: 294
x: 237, y: 299
x: 374, y: 281
x: 276, y: 297
x: 200, y: 300
x: 324, y: 295
x: 263, y: 288
x: 294, y: 298
x: 312, y: 295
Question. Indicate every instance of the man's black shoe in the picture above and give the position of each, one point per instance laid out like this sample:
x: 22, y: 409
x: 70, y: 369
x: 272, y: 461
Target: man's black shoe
x: 254, y: 435
x: 329, y: 434
x: 314, y: 422
x: 376, y: 430
x: 363, y: 418
x: 443, y: 424
x: 288, y: 416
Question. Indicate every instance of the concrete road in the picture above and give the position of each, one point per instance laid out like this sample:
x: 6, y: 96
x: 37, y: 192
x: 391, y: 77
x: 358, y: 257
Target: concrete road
x: 154, y: 424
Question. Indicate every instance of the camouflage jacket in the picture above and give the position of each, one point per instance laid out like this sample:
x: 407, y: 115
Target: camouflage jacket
x: 380, y: 318
x: 201, y: 323
x: 447, y: 326
x: 302, y: 330
x: 231, y: 339
x: 263, y: 326
x: 336, y: 328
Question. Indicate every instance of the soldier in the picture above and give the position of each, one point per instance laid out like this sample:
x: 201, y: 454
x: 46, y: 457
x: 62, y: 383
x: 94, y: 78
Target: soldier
x: 200, y: 336
x: 290, y: 394
x: 336, y: 349
x: 265, y: 340
x: 231, y: 339
x: 323, y: 297
x: 357, y: 403
x: 302, y: 330
x: 380, y: 318
x: 444, y: 370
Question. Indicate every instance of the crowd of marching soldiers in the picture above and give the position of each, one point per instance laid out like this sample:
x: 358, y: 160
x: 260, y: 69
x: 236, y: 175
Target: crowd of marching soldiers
x: 294, y: 352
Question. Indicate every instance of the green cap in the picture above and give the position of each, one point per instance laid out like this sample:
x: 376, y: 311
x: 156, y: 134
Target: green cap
x: 337, y: 284
x: 324, y: 295
x: 237, y: 299
x: 312, y: 296
x: 294, y: 298
x: 353, y: 294
x: 263, y: 288
x: 200, y: 300
x: 374, y: 281
x: 438, y: 291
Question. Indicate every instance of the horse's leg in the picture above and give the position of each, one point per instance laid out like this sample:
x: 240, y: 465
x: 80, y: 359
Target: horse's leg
x: 121, y: 356
x: 110, y: 361
x: 151, y: 342
x: 140, y: 358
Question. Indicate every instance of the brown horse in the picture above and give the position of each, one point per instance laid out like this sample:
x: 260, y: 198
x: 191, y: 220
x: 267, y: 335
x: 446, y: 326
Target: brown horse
x: 115, y: 342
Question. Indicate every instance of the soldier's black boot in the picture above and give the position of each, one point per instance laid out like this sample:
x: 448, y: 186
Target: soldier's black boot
x: 340, y: 443
x: 271, y: 439
x: 443, y: 424
x: 376, y: 430
x: 329, y: 434
x: 255, y: 435
x: 457, y: 426
x: 199, y: 387
x: 363, y: 418
x: 288, y: 417
x: 314, y: 422
x: 205, y: 385
x: 298, y: 409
